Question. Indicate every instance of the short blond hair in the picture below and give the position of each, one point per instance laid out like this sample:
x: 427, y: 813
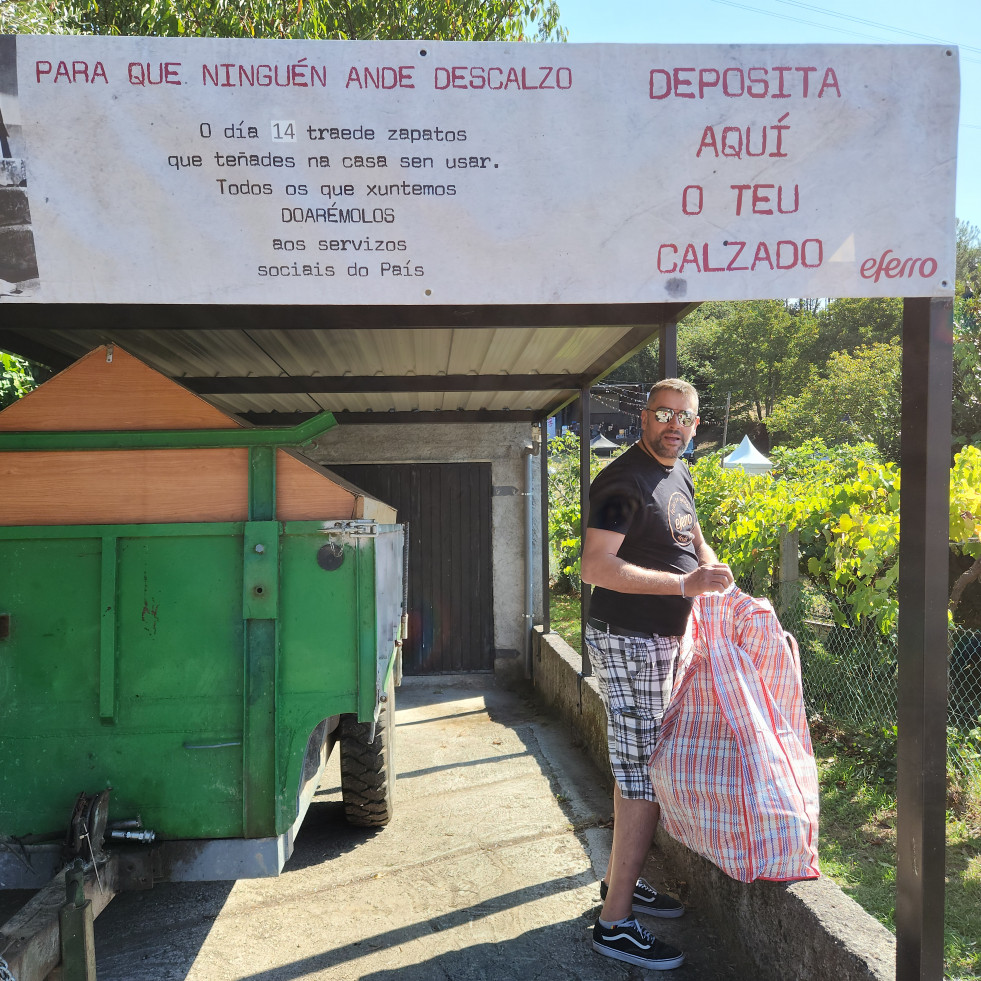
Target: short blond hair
x: 674, y: 385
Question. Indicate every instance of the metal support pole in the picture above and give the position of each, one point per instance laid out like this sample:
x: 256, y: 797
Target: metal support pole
x: 546, y: 545
x: 725, y: 425
x: 584, y: 513
x: 923, y: 589
x: 529, y: 502
x: 667, y: 351
x: 260, y: 605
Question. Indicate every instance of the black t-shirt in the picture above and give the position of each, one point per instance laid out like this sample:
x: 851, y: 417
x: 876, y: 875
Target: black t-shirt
x: 653, y: 507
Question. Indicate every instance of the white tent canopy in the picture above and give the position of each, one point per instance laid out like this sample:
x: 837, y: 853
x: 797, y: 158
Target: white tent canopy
x: 748, y: 457
x: 601, y: 446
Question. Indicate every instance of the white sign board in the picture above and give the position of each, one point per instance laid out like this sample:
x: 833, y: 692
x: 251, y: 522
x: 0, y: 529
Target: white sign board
x: 297, y: 172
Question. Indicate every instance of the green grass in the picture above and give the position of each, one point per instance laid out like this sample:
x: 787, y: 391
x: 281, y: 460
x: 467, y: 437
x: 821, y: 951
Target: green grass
x: 564, y: 611
x: 858, y: 839
x: 857, y: 842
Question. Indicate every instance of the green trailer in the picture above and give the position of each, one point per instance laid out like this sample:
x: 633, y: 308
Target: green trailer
x: 174, y: 688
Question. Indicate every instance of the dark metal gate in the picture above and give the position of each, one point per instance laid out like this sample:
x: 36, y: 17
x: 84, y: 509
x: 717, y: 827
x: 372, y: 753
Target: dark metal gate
x: 451, y: 597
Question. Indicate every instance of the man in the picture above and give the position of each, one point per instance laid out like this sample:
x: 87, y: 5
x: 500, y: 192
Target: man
x: 645, y: 556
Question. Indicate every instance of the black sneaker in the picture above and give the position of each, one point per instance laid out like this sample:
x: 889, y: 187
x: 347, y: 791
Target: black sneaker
x: 630, y: 942
x: 648, y: 900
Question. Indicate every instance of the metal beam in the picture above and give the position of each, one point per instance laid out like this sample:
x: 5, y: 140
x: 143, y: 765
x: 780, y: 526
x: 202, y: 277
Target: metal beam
x: 667, y: 351
x: 922, y: 631
x: 32, y: 350
x: 382, y: 418
x: 584, y: 455
x: 625, y: 348
x: 366, y: 384
x: 156, y: 439
x: 260, y: 611
x: 546, y: 596
x: 122, y: 317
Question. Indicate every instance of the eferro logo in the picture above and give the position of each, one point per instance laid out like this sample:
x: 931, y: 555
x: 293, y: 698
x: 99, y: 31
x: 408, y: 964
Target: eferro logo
x: 681, y: 519
x: 897, y: 268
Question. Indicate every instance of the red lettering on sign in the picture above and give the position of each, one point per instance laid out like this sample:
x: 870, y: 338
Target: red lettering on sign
x: 778, y: 82
x: 382, y: 77
x: 78, y: 72
x: 897, y: 268
x: 496, y: 78
x: 708, y: 257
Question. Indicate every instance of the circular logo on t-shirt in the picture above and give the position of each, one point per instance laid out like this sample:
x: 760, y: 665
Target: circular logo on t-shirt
x: 681, y: 518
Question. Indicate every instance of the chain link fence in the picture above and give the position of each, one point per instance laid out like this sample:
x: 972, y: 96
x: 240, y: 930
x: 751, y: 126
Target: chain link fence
x: 850, y: 674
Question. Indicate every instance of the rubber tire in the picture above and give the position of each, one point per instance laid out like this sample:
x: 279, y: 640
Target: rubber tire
x: 368, y: 769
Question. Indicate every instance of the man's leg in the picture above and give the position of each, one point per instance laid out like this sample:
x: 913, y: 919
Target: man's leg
x: 634, y: 824
x: 635, y: 682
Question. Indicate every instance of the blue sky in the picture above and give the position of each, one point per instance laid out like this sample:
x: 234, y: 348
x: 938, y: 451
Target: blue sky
x: 796, y: 21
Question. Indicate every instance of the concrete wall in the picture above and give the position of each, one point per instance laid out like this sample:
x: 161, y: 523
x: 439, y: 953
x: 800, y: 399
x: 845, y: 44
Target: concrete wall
x: 500, y: 444
x: 808, y: 931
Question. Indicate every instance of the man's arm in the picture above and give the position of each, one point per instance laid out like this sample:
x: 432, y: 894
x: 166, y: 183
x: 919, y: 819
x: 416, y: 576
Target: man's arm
x: 601, y: 566
x: 704, y: 551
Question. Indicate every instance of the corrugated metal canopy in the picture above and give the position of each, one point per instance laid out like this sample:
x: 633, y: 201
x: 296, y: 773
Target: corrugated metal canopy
x: 260, y: 362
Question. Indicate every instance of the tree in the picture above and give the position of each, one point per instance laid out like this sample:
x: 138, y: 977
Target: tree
x: 850, y: 323
x: 698, y: 337
x: 968, y: 252
x: 765, y: 352
x: 25, y: 17
x: 642, y: 368
x: 564, y: 516
x: 752, y: 350
x: 857, y: 398
x: 844, y: 504
x: 448, y: 20
x: 966, y: 421
x: 965, y: 518
x: 17, y: 378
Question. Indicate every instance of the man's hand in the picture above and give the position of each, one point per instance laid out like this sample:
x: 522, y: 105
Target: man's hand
x: 712, y: 577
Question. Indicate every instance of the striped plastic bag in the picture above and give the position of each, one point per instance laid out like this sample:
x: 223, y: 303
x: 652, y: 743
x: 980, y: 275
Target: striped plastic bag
x: 734, y: 769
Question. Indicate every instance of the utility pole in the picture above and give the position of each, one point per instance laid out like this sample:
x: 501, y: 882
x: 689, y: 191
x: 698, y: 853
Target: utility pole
x: 725, y: 425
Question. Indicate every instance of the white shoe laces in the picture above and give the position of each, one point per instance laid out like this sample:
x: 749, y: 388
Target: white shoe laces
x: 645, y: 934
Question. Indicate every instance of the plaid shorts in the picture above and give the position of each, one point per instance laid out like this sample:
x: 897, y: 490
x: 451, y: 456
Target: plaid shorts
x: 635, y: 676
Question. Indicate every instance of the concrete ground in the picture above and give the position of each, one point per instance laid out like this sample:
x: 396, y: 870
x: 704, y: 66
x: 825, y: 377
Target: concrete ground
x: 489, y: 871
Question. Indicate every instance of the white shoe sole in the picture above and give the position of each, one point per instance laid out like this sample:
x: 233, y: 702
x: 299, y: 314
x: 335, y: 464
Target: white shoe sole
x: 664, y: 914
x: 665, y: 964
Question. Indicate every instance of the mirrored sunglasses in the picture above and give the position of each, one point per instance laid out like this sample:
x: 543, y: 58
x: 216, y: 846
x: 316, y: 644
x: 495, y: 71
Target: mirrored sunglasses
x: 685, y: 416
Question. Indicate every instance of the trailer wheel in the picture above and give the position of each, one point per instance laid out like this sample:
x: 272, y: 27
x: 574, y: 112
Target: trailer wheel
x: 368, y: 768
